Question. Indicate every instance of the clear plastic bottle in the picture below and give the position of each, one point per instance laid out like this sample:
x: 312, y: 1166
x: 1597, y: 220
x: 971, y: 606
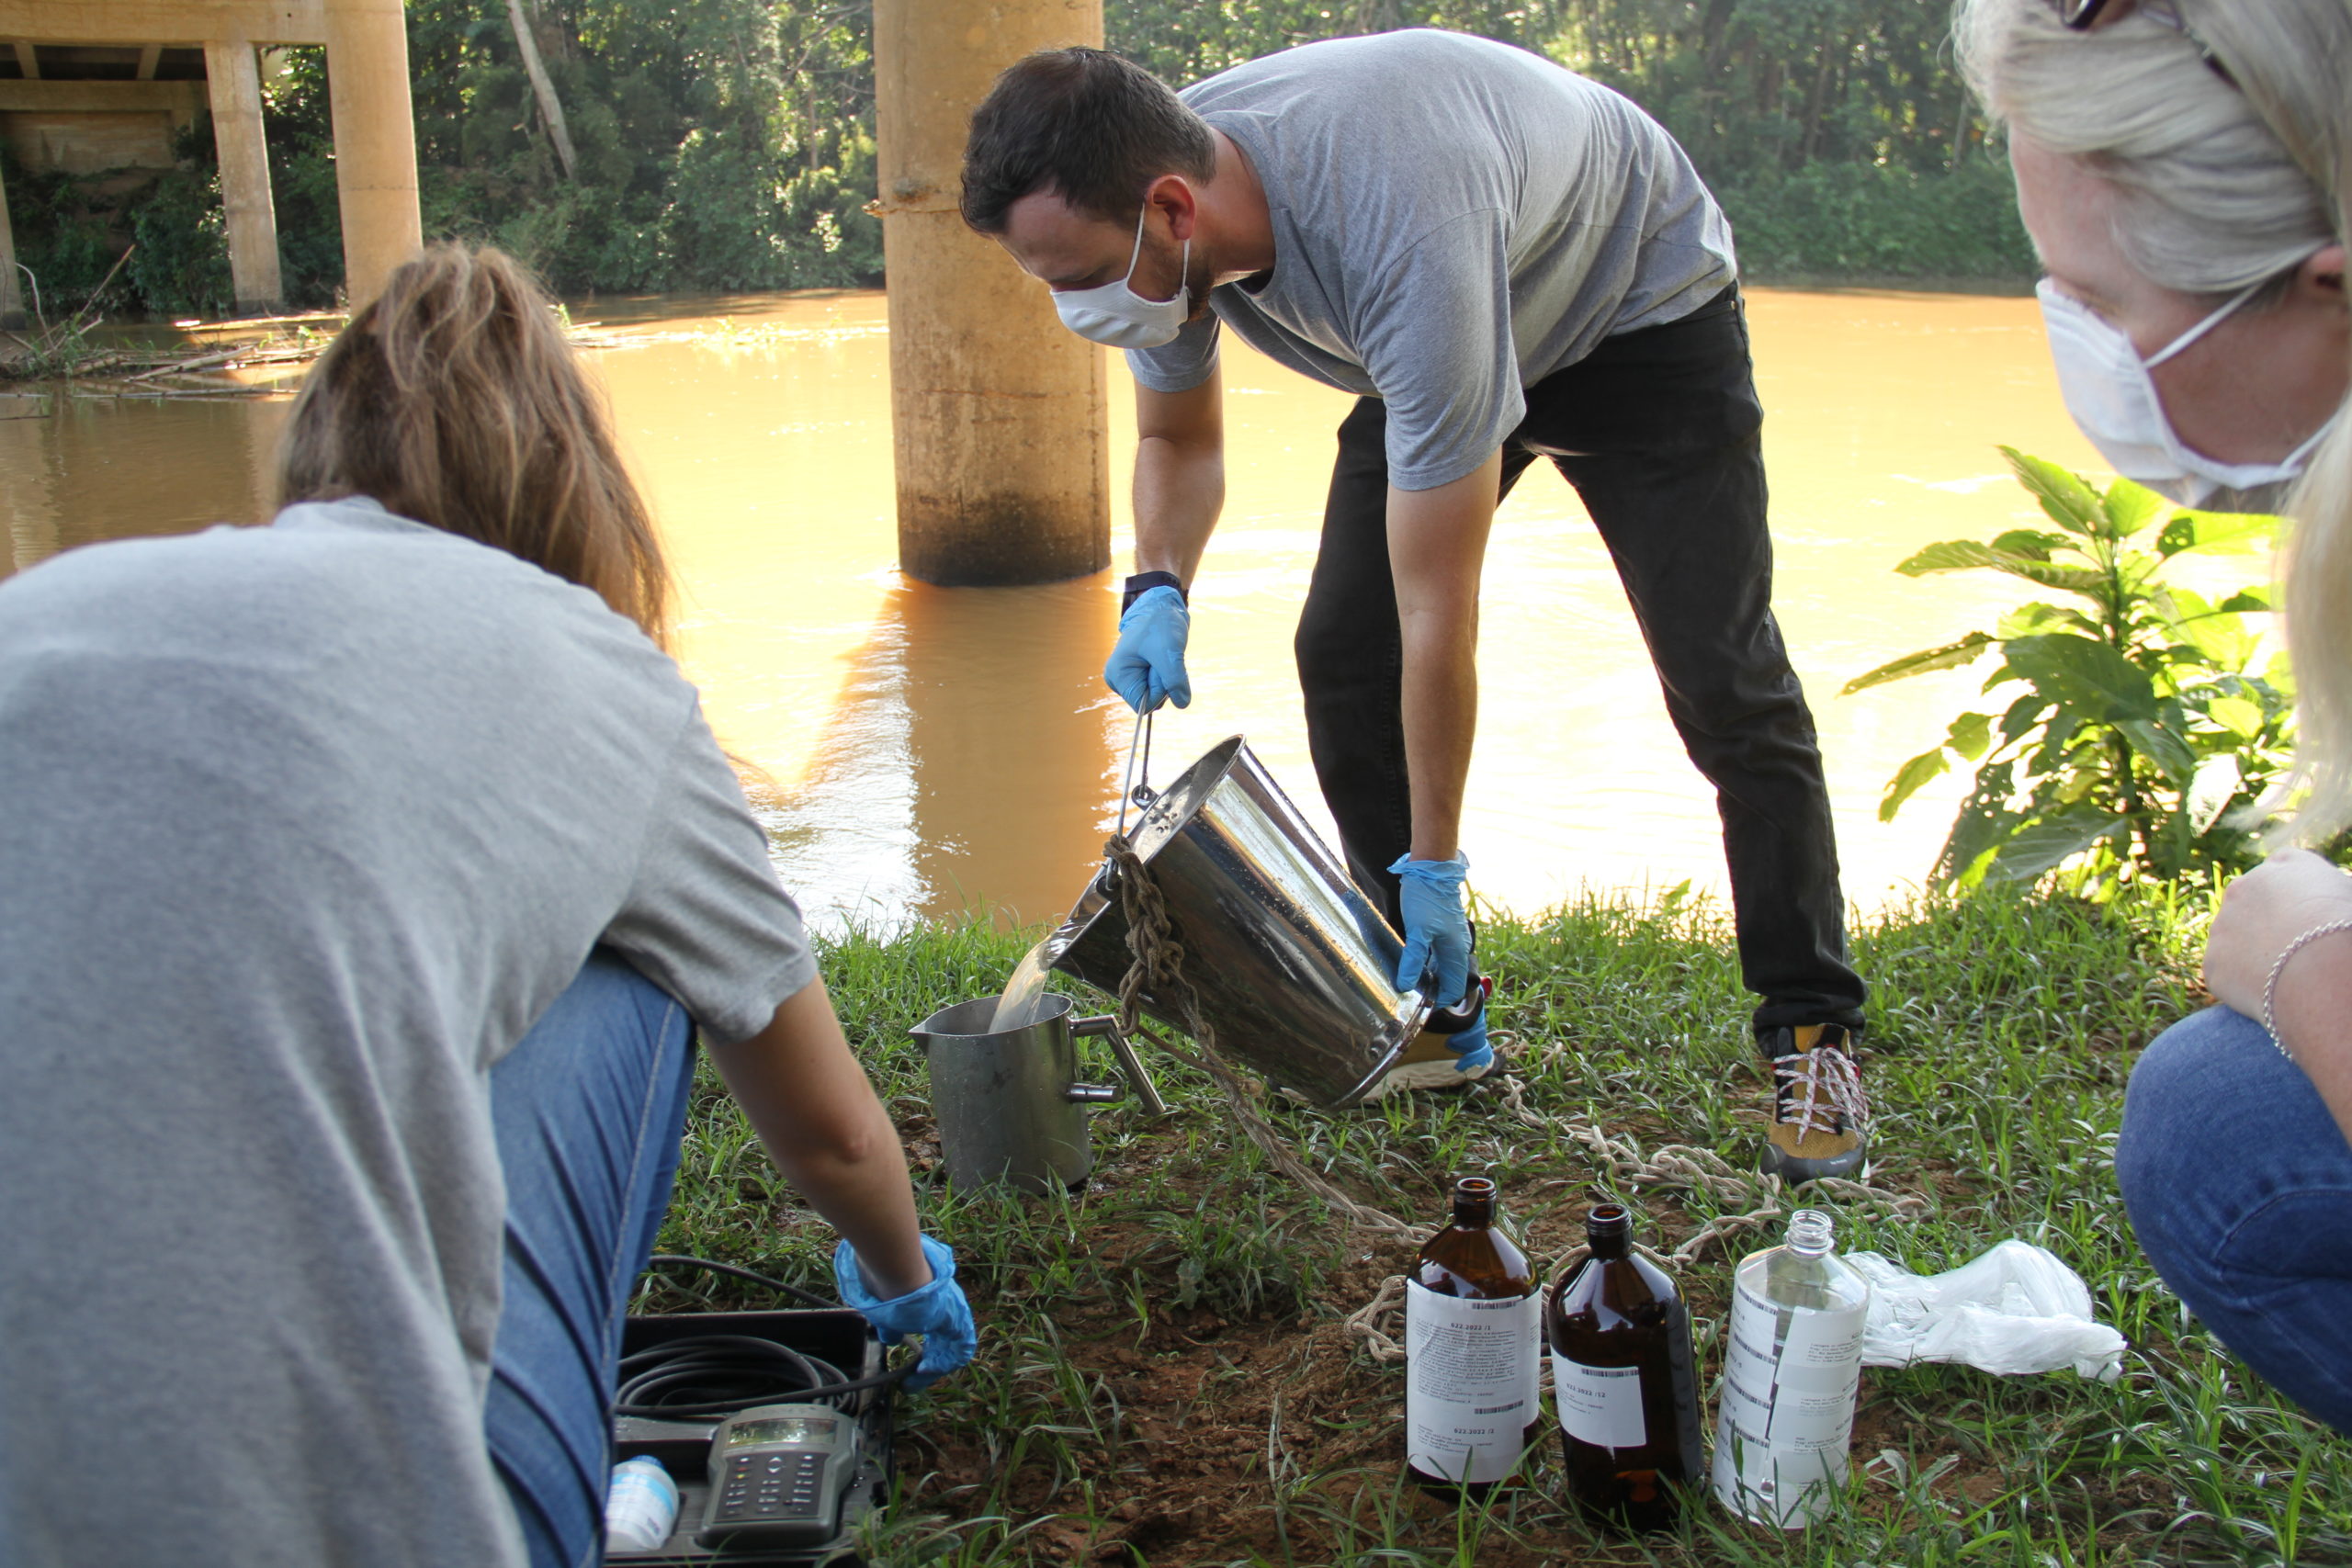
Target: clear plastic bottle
x: 1474, y: 1363
x: 1792, y: 1361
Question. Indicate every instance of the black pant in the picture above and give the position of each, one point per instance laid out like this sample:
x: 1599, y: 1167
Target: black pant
x: 1658, y: 430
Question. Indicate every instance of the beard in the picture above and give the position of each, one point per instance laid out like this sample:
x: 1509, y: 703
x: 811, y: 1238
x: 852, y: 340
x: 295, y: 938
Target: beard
x: 1197, y: 274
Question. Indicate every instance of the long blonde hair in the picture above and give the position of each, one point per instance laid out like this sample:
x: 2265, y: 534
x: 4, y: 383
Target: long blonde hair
x: 2223, y: 183
x: 454, y: 398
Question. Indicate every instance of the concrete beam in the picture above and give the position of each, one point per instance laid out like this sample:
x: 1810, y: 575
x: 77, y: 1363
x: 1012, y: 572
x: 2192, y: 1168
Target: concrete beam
x: 150, y: 57
x: 27, y: 63
x: 235, y: 86
x: 184, y: 22
x: 998, y: 423
x: 100, y: 97
x: 12, y: 294
x: 375, y: 142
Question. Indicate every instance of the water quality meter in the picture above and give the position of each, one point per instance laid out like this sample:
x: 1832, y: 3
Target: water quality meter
x: 778, y: 1473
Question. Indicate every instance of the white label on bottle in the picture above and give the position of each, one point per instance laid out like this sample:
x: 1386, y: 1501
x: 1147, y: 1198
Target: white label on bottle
x: 1472, y: 1376
x: 1601, y: 1405
x: 1788, y: 1411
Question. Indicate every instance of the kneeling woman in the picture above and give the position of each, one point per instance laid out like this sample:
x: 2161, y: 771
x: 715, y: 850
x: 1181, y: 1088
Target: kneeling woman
x: 2186, y: 169
x: 362, y: 878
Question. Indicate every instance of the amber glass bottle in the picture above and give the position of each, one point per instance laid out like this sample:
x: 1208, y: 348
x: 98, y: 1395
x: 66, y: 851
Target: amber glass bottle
x: 1622, y: 1378
x: 1472, y: 1354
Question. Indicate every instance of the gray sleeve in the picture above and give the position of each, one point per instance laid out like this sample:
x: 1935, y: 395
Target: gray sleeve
x: 1435, y: 334
x: 706, y: 918
x: 1180, y: 366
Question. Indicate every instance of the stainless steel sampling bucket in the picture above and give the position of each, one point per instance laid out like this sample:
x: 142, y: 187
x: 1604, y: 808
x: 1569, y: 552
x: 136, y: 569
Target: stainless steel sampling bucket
x: 1008, y: 1106
x: 1291, y: 964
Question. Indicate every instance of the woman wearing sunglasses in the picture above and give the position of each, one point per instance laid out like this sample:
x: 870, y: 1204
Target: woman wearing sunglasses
x: 2185, y: 169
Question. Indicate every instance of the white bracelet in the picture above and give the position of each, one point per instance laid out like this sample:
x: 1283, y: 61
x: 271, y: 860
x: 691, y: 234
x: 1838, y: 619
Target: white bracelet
x: 2279, y: 967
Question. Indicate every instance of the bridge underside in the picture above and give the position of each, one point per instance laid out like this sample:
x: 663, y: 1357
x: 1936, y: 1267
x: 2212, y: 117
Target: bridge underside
x: 87, y: 86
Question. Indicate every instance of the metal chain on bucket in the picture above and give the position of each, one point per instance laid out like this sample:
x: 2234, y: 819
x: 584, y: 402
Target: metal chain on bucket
x: 1157, y: 965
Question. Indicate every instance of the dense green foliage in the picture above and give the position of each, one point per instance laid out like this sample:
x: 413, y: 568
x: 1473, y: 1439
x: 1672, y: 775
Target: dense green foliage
x: 1834, y: 132
x: 2144, y: 734
x: 729, y: 144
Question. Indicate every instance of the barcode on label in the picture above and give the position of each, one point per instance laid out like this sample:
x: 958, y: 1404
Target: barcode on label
x: 1496, y: 1409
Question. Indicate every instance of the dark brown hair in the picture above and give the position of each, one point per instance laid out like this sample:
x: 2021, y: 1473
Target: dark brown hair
x: 454, y: 398
x: 1085, y: 124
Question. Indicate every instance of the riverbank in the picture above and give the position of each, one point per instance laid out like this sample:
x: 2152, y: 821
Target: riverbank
x: 261, y: 355
x: 1166, y: 1374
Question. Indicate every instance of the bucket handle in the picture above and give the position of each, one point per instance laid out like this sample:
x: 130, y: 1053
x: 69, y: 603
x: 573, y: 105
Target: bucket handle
x: 1106, y: 1026
x: 1136, y: 786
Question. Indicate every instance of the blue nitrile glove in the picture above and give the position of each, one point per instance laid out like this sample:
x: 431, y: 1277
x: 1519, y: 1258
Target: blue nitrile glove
x: 1437, y: 929
x: 938, y: 1312
x: 1147, y: 667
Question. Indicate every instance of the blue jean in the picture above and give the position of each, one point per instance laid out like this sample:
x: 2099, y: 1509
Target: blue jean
x: 2239, y: 1182
x: 590, y: 1109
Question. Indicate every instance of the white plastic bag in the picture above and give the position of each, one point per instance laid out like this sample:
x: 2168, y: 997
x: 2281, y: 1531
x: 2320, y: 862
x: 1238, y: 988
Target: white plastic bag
x: 2017, y: 1309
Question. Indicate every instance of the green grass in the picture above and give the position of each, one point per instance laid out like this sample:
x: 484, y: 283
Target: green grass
x: 1163, y: 1376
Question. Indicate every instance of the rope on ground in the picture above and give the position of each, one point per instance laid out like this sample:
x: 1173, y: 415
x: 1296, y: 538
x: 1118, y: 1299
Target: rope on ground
x: 1752, y: 1201
x: 1364, y: 1323
x: 1157, y: 966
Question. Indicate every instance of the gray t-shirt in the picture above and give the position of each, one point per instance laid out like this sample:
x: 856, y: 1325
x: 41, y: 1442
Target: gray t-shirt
x: 1454, y: 220
x: 301, y: 827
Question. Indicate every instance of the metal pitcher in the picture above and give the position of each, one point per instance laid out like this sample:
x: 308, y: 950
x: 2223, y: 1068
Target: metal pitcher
x: 1290, y: 964
x: 1008, y: 1105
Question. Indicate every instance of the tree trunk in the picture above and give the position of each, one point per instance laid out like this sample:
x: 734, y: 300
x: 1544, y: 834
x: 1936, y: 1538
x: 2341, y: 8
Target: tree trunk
x: 551, y: 111
x: 1716, y: 39
x: 1816, y: 101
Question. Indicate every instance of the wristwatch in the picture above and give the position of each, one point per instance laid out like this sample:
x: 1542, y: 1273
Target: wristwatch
x: 1144, y: 582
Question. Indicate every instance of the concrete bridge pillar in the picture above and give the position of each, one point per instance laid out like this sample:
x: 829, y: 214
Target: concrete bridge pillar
x: 234, y: 83
x: 997, y: 410
x: 375, y: 142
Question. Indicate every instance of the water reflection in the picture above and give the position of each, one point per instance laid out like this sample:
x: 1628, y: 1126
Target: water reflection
x: 930, y: 749
x: 965, y: 763
x: 76, y: 469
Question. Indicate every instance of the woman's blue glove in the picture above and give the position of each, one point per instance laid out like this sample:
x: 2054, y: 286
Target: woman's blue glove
x: 1437, y: 929
x: 938, y: 1312
x: 1147, y: 667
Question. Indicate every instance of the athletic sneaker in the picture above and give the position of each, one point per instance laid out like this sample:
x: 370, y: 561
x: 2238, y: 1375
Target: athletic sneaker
x: 1449, y: 1053
x: 1820, y: 1116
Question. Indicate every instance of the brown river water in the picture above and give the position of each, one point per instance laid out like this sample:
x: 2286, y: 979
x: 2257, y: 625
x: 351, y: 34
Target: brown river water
x: 931, y: 751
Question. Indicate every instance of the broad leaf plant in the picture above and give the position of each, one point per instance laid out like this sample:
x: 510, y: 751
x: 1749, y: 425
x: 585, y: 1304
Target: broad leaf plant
x: 2142, y: 731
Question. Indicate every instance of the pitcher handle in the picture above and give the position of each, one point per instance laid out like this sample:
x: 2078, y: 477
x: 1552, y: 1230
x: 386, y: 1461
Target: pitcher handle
x: 1136, y: 787
x: 1106, y: 1025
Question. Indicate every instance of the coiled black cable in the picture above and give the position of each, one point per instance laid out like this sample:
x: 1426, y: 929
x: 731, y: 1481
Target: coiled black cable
x: 718, y: 1374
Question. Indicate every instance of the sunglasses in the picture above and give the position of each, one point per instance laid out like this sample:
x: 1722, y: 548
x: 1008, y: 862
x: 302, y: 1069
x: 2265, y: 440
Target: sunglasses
x: 2081, y: 16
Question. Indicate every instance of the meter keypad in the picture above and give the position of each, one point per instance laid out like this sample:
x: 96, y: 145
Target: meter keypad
x: 771, y: 1486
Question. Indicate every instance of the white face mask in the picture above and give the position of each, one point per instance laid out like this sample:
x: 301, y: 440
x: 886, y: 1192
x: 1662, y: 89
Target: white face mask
x: 2107, y: 389
x: 1116, y: 315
